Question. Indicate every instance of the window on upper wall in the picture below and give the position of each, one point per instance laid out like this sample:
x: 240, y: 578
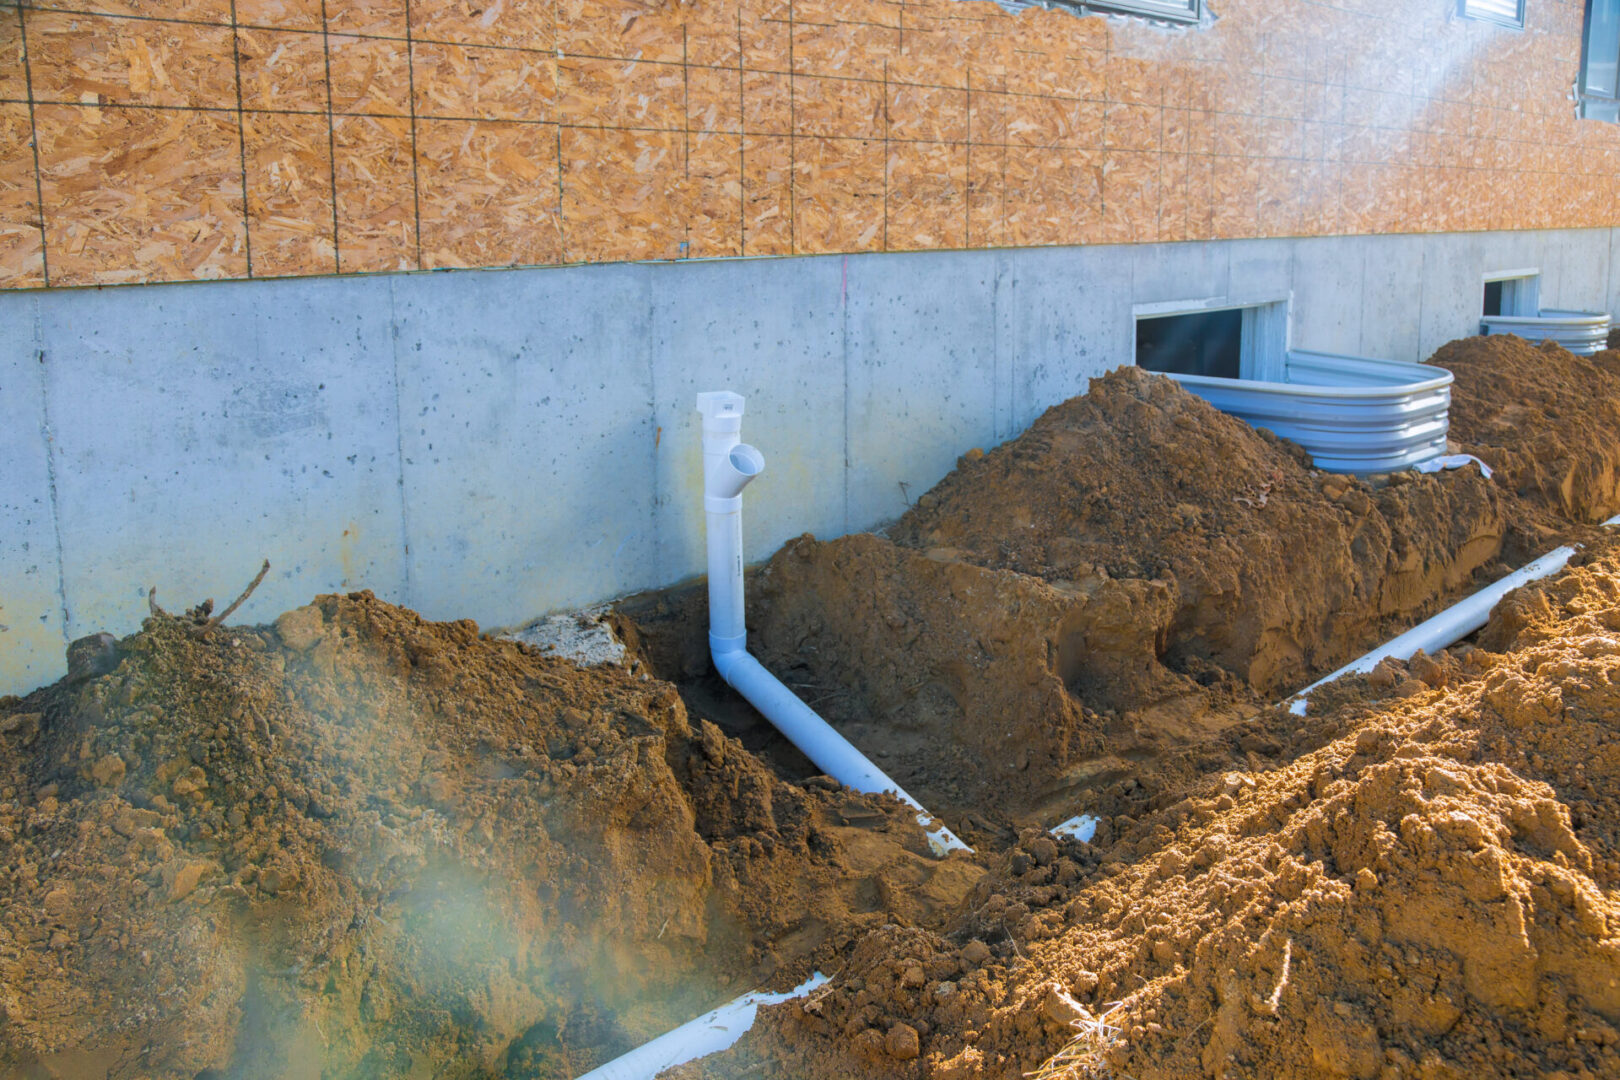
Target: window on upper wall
x: 1506, y: 12
x: 1598, y: 90
x: 1175, y: 10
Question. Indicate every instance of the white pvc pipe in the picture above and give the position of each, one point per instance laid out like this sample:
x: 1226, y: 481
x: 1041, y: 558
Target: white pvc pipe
x: 729, y: 465
x: 708, y: 1034
x: 1452, y: 624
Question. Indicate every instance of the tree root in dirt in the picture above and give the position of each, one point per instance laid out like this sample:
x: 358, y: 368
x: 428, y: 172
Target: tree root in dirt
x: 202, y: 614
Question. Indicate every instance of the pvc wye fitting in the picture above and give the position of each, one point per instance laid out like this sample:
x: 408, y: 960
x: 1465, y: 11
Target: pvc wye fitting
x: 725, y: 476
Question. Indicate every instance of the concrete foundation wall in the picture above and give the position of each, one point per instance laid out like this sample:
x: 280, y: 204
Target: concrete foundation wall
x: 498, y: 444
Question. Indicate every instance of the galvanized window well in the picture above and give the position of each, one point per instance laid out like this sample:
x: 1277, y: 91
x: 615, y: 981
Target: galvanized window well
x: 1350, y: 413
x: 1598, y: 88
x: 1506, y: 12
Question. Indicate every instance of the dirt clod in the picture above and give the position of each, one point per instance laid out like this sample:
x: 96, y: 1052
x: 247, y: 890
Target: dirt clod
x: 902, y: 1042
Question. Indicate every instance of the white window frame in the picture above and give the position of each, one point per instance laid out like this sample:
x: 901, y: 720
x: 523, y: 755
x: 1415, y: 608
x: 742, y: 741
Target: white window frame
x: 1602, y: 103
x: 1521, y: 291
x: 1484, y: 11
x: 1186, y: 11
x: 1263, y: 340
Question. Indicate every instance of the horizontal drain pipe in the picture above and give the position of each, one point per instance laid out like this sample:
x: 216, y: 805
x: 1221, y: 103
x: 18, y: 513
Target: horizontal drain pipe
x: 708, y: 1034
x: 729, y: 465
x: 1430, y: 636
x: 1452, y: 624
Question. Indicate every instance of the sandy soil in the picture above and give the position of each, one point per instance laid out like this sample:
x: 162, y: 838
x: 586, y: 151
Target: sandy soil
x: 1113, y: 582
x: 359, y: 844
x: 1430, y: 891
x: 1544, y: 419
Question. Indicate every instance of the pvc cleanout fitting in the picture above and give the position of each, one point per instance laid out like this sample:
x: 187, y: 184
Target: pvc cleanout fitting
x: 1452, y: 624
x: 729, y: 466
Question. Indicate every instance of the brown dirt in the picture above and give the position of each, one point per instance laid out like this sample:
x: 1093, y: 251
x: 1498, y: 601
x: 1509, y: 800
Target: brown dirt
x: 1115, y: 580
x: 359, y: 844
x: 1429, y: 893
x: 1543, y: 418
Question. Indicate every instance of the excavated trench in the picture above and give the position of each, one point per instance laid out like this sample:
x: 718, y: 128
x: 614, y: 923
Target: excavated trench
x: 359, y: 844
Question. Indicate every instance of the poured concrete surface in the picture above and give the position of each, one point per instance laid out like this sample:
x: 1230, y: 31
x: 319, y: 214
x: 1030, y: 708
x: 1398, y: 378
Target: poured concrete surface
x: 498, y: 444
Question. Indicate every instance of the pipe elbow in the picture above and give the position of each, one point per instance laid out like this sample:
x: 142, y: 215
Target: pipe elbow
x: 728, y: 654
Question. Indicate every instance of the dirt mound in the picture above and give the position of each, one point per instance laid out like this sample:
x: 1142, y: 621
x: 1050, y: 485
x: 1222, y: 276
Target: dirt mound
x: 1542, y: 417
x: 1102, y: 586
x: 1429, y: 893
x: 363, y: 845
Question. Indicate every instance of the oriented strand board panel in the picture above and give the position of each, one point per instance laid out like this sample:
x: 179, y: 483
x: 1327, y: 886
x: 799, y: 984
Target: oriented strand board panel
x: 290, y: 203
x: 22, y: 261
x: 141, y: 194
x: 206, y: 138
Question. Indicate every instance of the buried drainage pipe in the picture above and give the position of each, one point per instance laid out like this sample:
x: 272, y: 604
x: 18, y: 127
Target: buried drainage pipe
x: 708, y: 1034
x: 1431, y: 635
x: 1452, y: 624
x: 729, y: 465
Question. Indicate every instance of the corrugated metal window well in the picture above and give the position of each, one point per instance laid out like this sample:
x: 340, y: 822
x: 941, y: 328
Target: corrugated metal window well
x: 1352, y: 414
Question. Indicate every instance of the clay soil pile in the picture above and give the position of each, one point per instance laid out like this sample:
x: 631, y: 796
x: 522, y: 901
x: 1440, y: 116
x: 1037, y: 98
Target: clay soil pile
x: 1545, y: 419
x: 358, y: 844
x: 1422, y: 885
x: 1102, y: 587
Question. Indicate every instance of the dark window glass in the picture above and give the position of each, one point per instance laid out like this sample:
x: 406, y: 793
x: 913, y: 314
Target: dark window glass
x: 1205, y: 343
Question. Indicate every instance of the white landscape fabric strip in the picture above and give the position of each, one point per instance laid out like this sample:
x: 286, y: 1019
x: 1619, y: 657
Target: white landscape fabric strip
x: 1081, y: 827
x: 708, y: 1034
x: 1453, y: 461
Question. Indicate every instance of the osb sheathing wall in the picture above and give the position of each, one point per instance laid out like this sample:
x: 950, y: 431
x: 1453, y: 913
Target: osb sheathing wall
x: 178, y: 139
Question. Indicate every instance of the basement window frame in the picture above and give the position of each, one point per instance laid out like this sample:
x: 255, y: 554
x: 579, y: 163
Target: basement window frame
x: 1264, y: 340
x: 1521, y: 292
x: 1473, y: 9
x: 1179, y: 11
x: 1602, y: 103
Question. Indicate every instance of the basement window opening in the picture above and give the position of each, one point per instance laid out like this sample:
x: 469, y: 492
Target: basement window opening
x: 1501, y: 12
x: 1512, y: 292
x: 1244, y: 342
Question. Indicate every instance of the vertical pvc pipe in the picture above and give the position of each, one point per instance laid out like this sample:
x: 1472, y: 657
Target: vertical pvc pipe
x: 729, y: 465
